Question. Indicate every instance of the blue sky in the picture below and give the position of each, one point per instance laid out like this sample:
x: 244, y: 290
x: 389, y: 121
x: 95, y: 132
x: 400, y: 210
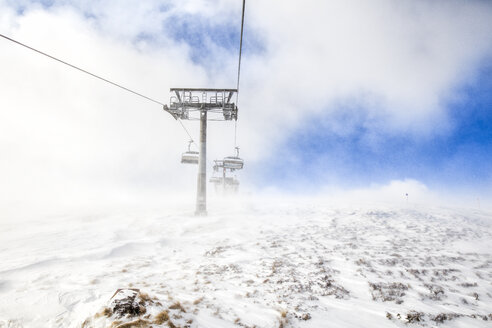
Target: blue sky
x: 197, y: 32
x: 203, y: 34
x: 460, y: 158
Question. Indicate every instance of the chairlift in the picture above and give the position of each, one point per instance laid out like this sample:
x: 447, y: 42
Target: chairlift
x: 225, y: 184
x: 233, y: 162
x: 190, y: 156
x: 216, y: 180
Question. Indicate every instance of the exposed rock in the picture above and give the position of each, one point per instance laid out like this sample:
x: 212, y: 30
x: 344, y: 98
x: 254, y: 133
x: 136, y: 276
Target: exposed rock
x: 131, y: 308
x: 124, y: 303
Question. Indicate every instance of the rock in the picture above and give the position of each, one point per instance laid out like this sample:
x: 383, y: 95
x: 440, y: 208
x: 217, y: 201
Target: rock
x: 124, y: 303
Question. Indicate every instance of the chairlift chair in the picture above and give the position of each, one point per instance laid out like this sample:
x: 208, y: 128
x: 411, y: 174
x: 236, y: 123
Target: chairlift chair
x: 190, y: 156
x: 233, y: 162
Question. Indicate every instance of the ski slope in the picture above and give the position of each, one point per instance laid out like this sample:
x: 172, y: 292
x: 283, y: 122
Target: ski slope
x: 275, y: 263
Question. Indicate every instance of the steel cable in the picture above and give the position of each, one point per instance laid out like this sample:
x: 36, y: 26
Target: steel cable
x: 239, y: 71
x: 93, y: 75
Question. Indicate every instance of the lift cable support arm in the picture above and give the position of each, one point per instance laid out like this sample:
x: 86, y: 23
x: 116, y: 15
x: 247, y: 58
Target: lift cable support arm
x: 186, y: 101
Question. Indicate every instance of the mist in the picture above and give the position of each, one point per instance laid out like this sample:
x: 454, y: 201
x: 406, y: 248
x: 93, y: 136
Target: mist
x: 68, y: 138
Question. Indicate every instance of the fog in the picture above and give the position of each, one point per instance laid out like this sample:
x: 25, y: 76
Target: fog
x: 68, y: 140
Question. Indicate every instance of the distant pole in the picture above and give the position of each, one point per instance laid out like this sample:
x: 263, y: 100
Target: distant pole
x: 224, y: 181
x: 201, y: 193
x: 406, y: 196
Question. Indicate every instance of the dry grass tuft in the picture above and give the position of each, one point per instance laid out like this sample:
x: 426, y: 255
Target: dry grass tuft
x: 161, y: 318
x: 177, y: 306
x: 135, y: 324
x: 145, y: 297
x: 86, y: 323
x: 142, y: 310
x: 115, y: 324
x: 414, y: 316
x: 105, y: 312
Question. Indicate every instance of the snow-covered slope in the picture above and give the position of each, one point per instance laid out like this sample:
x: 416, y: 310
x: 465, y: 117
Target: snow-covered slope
x: 257, y: 264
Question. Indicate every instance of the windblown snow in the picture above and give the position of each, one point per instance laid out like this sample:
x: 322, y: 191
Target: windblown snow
x: 259, y: 264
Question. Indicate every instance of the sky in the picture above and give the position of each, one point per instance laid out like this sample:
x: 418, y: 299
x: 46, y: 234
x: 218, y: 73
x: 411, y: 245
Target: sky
x: 334, y: 95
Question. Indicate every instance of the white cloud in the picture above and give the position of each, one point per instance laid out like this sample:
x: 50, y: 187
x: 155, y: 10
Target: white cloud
x: 403, y: 59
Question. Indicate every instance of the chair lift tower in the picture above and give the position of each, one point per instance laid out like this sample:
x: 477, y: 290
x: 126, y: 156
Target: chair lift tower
x: 197, y: 104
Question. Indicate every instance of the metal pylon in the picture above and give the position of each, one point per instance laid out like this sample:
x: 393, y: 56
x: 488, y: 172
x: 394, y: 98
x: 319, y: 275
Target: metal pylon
x: 185, y: 104
x: 201, y: 190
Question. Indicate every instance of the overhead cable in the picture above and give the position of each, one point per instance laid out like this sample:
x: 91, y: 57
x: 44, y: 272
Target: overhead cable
x: 93, y: 75
x: 82, y: 70
x: 186, y: 130
x: 239, y: 69
x: 240, y: 49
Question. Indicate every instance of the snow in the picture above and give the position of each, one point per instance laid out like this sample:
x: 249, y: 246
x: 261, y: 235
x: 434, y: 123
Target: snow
x: 252, y: 263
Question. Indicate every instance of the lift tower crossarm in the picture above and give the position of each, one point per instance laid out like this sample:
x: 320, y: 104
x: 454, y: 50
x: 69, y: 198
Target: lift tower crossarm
x: 185, y: 102
x: 203, y: 90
